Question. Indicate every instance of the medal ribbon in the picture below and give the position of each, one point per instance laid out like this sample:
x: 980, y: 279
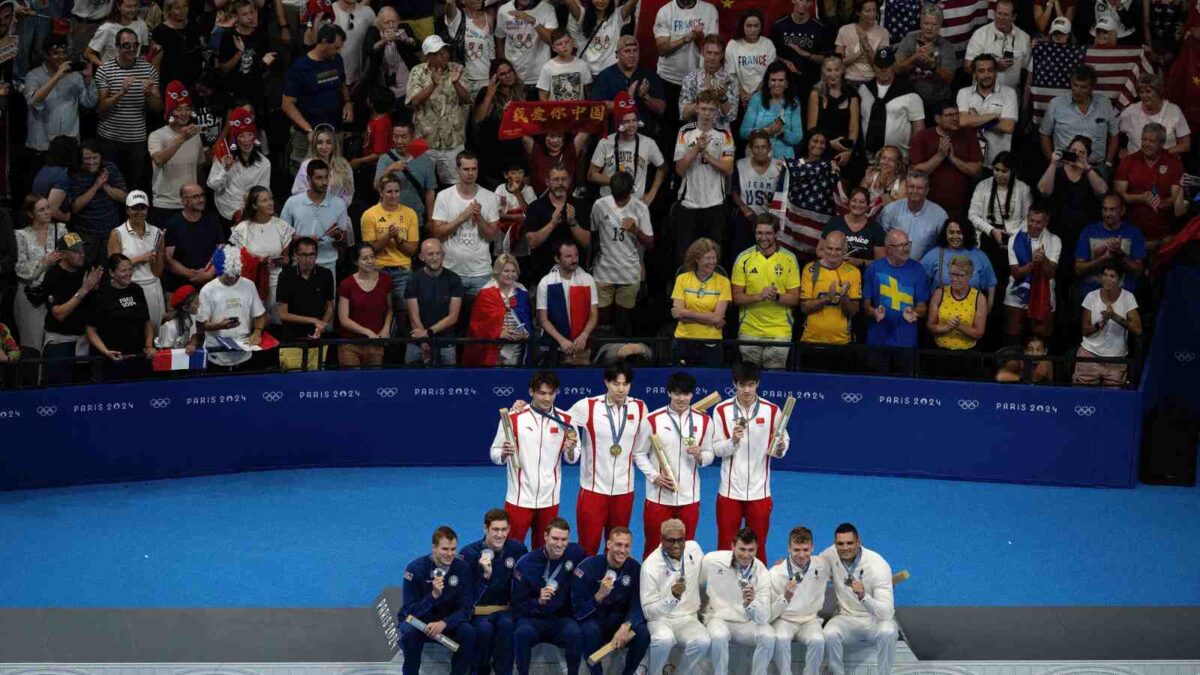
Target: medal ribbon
x: 612, y: 427
x: 690, y: 423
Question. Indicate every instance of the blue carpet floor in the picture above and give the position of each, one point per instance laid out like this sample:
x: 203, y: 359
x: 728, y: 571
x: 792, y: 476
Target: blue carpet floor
x: 334, y: 537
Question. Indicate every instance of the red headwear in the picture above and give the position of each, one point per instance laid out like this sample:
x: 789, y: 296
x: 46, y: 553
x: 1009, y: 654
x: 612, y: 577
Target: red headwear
x: 241, y: 120
x: 317, y: 9
x: 177, y: 94
x: 622, y: 105
x: 181, y: 295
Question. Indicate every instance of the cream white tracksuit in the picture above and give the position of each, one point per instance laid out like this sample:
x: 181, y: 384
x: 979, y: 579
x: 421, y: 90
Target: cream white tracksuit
x: 871, y: 619
x: 673, y: 621
x: 726, y: 617
x: 797, y: 619
x: 539, y: 442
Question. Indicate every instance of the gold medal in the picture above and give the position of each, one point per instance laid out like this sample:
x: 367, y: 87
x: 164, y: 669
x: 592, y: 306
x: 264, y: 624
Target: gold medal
x: 690, y: 441
x: 615, y: 450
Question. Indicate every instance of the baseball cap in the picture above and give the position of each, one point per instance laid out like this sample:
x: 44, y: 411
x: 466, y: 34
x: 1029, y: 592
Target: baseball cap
x: 885, y: 57
x: 137, y: 198
x: 1061, y: 25
x: 432, y: 45
x: 69, y: 242
x: 1106, y: 23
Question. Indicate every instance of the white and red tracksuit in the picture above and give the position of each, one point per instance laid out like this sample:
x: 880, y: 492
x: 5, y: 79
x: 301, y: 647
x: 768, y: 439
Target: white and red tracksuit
x: 745, y: 490
x: 606, y: 481
x: 684, y: 503
x: 533, y: 490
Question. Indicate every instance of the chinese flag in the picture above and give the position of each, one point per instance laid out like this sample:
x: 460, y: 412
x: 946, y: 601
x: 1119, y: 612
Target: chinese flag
x: 1183, y: 79
x: 727, y: 10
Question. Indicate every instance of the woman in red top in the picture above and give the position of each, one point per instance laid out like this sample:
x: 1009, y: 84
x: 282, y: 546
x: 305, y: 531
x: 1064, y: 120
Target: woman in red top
x: 364, y: 310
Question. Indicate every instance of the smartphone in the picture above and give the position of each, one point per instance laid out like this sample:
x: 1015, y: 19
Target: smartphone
x: 1008, y: 54
x: 236, y: 321
x: 77, y: 66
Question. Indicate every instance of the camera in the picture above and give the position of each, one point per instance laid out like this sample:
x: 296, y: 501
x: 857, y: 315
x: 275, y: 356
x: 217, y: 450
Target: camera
x: 77, y: 66
x: 1070, y: 156
x: 1008, y: 54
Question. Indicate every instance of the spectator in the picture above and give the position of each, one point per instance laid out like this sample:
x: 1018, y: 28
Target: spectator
x: 179, y: 329
x: 103, y: 45
x: 755, y: 179
x: 230, y: 309
x: 623, y: 235
x: 956, y: 241
x: 1149, y: 182
x: 551, y: 219
x: 567, y: 307
x: 1110, y: 240
x: 886, y: 180
x: 1033, y: 255
x: 682, y: 31
x: 1110, y: 314
x: 118, y: 323
x: 391, y: 227
x: 514, y: 196
x: 67, y: 286
x: 999, y: 203
x: 192, y: 237
x: 316, y: 213
x: 176, y: 153
x: 834, y: 106
x: 523, y: 36
x: 1162, y: 21
x: 474, y: 27
x: 305, y: 301
x: 895, y: 297
x: 710, y: 76
x: 418, y: 183
x: 919, y: 218
x: 378, y: 137
x: 180, y: 55
x: 434, y: 297
x: 626, y: 75
x: 500, y: 312
x: 802, y: 42
x: 1071, y: 186
x: 892, y: 113
x: 630, y: 151
x: 1081, y: 113
x: 392, y: 51
x: 830, y: 296
x: 541, y: 157
x: 235, y: 174
x: 355, y: 19
x: 96, y: 190
x: 502, y: 87
x: 53, y: 179
x: 595, y: 27
x: 54, y: 93
x: 698, y: 303
x: 8, y: 264
x: 85, y: 20
x: 1110, y: 25
x: 364, y: 308
x: 1015, y: 370
x: 565, y: 77
x: 315, y: 91
x: 127, y: 86
x: 927, y: 57
x: 244, y: 57
x: 989, y: 108
x: 856, y: 43
x: 776, y: 110
x: 1153, y: 108
x: 748, y: 55
x: 766, y: 286
x: 864, y: 235
x: 1047, y: 15
x: 436, y: 94
x: 1002, y: 39
x: 465, y: 216
x: 957, y: 315
x: 10, y: 351
x: 704, y: 162
x: 810, y: 182
x: 323, y: 144
x: 37, y: 252
x: 142, y: 244
x: 267, y: 238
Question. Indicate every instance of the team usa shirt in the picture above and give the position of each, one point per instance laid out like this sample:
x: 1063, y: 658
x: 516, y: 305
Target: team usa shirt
x: 677, y: 432
x: 602, y: 468
x: 746, y: 465
x: 535, y: 570
x: 496, y: 590
x: 457, y: 599
x: 539, y: 439
x: 622, y: 604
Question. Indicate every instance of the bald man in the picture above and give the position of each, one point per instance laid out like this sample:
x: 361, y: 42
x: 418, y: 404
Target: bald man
x: 192, y: 236
x: 434, y: 297
x: 830, y: 295
x: 895, y: 298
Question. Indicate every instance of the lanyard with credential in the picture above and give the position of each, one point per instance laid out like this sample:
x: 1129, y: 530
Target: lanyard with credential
x: 612, y: 426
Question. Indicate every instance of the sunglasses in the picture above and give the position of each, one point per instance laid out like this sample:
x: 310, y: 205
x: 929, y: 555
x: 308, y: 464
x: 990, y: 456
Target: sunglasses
x: 128, y: 45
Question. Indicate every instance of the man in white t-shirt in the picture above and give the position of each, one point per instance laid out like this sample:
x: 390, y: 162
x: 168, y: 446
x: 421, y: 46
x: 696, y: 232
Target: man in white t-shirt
x: 568, y: 306
x: 230, y: 310
x: 1001, y: 38
x: 355, y: 19
x: 988, y: 107
x: 629, y: 142
x: 175, y: 153
x: 523, y: 36
x: 623, y: 233
x: 704, y: 162
x: 679, y: 27
x: 466, y: 217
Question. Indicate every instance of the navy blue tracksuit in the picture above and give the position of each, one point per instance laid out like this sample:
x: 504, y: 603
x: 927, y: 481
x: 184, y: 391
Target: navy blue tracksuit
x: 494, y: 632
x: 600, y: 620
x: 454, y: 607
x: 552, y: 622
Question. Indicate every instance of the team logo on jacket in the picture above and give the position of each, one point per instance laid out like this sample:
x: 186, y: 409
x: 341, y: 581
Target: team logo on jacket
x: 570, y: 565
x: 625, y: 580
x: 408, y: 576
x: 579, y: 573
x: 509, y: 562
x: 453, y: 580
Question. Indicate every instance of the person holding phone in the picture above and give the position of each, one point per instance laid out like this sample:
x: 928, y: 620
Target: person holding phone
x: 230, y: 308
x: 54, y: 92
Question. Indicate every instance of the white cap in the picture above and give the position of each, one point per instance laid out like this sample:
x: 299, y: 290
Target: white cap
x: 137, y: 198
x: 432, y: 45
x: 1106, y: 23
x: 1061, y: 25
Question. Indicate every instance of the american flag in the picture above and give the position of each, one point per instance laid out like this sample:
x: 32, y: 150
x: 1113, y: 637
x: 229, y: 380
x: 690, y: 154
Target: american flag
x: 1117, y: 69
x: 961, y: 18
x: 804, y: 203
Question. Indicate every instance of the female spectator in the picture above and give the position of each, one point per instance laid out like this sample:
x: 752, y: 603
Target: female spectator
x: 10, y: 351
x: 698, y: 302
x: 268, y: 238
x: 1000, y: 202
x: 53, y: 180
x: 595, y: 26
x: 143, y: 244
x: 811, y: 180
x: 1033, y: 257
x: 1154, y: 108
x: 103, y: 46
x: 233, y: 175
x: 391, y: 53
x: 856, y: 42
x: 364, y: 308
x: 864, y: 236
x: 776, y: 110
x: 957, y: 312
x: 501, y: 311
x: 1072, y: 189
x: 1014, y: 370
x: 178, y: 329
x: 323, y: 143
x: 515, y: 196
x: 956, y: 241
x: 885, y: 179
x: 472, y: 27
x: 503, y: 87
x: 118, y: 325
x: 1109, y: 315
x: 833, y: 106
x: 553, y: 150
x: 37, y: 245
x: 748, y: 55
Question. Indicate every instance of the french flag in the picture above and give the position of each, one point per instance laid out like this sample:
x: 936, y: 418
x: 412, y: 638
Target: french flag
x: 178, y: 359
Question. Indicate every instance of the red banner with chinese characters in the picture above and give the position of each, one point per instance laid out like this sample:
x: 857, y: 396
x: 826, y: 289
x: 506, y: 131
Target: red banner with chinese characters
x: 529, y: 118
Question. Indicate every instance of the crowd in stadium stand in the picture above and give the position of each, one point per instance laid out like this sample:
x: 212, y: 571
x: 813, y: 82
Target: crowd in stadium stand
x: 985, y: 178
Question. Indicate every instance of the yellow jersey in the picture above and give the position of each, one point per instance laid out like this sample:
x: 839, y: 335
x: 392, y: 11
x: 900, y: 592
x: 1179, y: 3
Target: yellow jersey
x: 700, y: 296
x: 951, y: 307
x: 829, y: 325
x: 375, y: 224
x: 754, y: 272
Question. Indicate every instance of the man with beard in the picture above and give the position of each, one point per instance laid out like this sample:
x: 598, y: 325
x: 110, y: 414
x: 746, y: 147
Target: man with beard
x: 989, y: 108
x: 607, y: 602
x: 550, y: 220
x: 175, y: 153
x: 316, y: 213
x: 862, y: 581
x: 626, y: 75
x: 670, y: 589
x: 192, y: 236
x: 951, y: 157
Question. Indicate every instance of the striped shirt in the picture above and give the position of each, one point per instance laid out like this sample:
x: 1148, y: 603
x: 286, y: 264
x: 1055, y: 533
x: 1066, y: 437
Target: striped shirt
x: 125, y: 121
x: 620, y: 259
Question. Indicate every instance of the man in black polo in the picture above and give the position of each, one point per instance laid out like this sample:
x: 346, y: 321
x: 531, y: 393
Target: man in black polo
x: 305, y: 297
x: 550, y: 218
x: 434, y: 296
x: 192, y: 236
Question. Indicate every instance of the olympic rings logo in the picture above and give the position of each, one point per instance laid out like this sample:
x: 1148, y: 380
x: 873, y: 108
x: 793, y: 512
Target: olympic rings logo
x: 1185, y: 357
x: 272, y: 396
x: 387, y: 392
x: 47, y: 410
x: 851, y: 397
x: 160, y: 403
x: 1085, y: 410
x: 502, y: 391
x: 968, y: 403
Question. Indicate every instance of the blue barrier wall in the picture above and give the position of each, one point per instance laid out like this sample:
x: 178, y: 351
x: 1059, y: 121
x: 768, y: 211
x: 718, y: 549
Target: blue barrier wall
x: 160, y: 429
x: 1173, y: 366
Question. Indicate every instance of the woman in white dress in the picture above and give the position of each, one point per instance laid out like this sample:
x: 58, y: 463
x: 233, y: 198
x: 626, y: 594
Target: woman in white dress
x: 36, y: 253
x: 143, y: 244
x: 268, y: 237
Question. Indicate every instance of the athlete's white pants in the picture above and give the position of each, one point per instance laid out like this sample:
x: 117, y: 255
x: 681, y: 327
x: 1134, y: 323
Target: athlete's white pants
x: 759, y: 636
x: 666, y: 633
x: 842, y: 630
x: 809, y: 634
